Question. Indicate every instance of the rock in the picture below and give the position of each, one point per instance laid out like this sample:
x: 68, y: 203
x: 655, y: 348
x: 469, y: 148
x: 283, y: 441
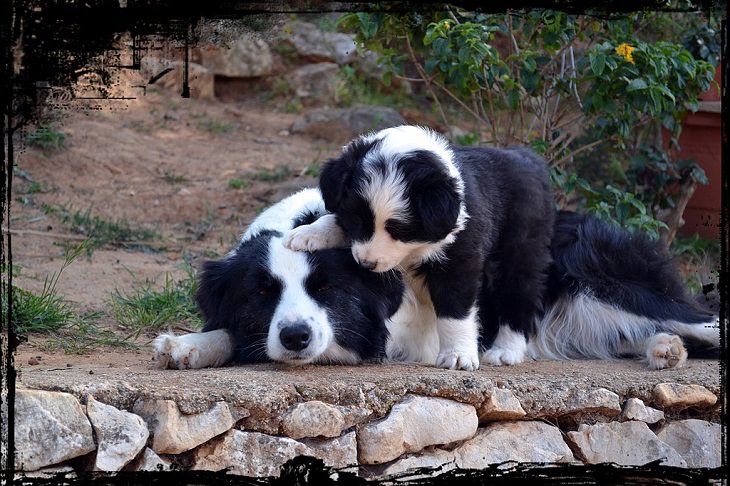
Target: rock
x: 201, y: 81
x: 634, y: 409
x: 598, y: 400
x: 247, y: 57
x: 50, y: 427
x: 312, y: 419
x: 150, y: 461
x: 528, y: 441
x: 683, y: 396
x: 415, y: 423
x: 174, y: 432
x: 120, y: 435
x: 625, y: 443
x: 501, y: 405
x: 261, y: 455
x: 316, y: 82
x: 696, y: 440
x: 340, y: 125
x: 439, y: 460
x: 315, y: 45
x: 338, y: 452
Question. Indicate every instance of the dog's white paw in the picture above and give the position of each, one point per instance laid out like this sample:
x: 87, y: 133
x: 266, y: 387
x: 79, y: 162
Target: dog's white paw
x: 173, y: 352
x: 665, y: 351
x: 458, y: 360
x: 307, y: 238
x: 497, y: 356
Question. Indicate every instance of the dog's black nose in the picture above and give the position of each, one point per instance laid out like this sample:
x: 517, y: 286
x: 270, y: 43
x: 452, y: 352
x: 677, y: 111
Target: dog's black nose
x: 295, y: 337
x: 367, y: 264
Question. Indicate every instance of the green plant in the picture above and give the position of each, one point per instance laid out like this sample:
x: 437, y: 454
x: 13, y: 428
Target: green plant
x: 146, y: 308
x: 46, y: 138
x: 82, y: 336
x: 100, y: 232
x: 210, y: 125
x: 293, y: 105
x: 560, y: 83
x: 44, y: 312
x: 238, y: 183
x: 281, y: 173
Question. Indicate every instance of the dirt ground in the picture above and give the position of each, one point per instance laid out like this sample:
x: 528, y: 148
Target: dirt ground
x: 157, y: 164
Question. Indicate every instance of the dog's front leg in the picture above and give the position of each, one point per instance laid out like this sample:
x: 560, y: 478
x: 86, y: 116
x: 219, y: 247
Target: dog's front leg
x: 194, y: 350
x: 322, y: 234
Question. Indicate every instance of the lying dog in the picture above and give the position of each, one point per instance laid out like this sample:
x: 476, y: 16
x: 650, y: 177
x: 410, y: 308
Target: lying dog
x: 472, y: 231
x: 265, y: 302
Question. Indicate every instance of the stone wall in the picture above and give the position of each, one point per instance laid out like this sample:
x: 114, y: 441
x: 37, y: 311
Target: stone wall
x: 60, y: 432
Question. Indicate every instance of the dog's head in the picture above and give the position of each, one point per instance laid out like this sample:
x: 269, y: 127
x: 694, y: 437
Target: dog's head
x: 297, y: 307
x: 397, y: 195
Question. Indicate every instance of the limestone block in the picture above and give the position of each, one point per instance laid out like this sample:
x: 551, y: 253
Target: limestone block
x: 50, y: 427
x: 312, y: 419
x: 625, y: 443
x: 415, y: 423
x: 315, y: 45
x: 201, y: 81
x: 683, y: 396
x: 150, y: 461
x: 697, y: 441
x: 598, y: 400
x: 501, y: 405
x: 317, y: 82
x: 261, y: 455
x: 174, y: 432
x: 340, y: 125
x: 245, y: 58
x: 120, y: 435
x: 523, y: 441
x: 634, y: 409
x: 338, y: 452
x: 437, y: 460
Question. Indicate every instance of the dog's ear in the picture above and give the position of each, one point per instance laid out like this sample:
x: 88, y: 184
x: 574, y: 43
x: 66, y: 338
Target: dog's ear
x: 334, y: 179
x: 212, y: 288
x: 336, y: 176
x: 434, y: 197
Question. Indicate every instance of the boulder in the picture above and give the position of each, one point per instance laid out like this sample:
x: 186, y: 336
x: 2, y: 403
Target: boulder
x: 50, y: 427
x: 697, y: 441
x: 415, y: 423
x: 120, y: 435
x: 149, y: 460
x: 201, y: 81
x: 340, y: 125
x: 598, y: 400
x: 174, y: 432
x: 625, y: 443
x: 316, y: 82
x: 247, y: 57
x: 313, y: 44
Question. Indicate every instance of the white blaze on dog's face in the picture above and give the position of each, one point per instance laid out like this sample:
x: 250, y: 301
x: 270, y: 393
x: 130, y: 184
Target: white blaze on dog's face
x: 300, y: 330
x: 397, y: 195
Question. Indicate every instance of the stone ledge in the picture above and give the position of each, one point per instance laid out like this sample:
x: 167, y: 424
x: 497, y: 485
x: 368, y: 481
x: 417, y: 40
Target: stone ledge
x: 268, y: 414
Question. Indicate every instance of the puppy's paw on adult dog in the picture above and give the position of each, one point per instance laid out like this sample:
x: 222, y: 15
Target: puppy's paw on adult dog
x: 322, y: 234
x: 458, y: 360
x: 665, y: 351
x: 172, y: 352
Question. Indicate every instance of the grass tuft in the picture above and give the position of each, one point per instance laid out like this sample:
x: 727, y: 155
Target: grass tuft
x: 46, y: 138
x: 146, y: 309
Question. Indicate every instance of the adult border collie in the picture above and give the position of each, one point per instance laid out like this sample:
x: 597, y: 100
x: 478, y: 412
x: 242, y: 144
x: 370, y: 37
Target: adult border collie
x: 265, y: 302
x: 472, y: 230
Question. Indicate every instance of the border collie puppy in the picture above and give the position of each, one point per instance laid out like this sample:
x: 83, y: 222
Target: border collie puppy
x: 472, y: 231
x: 265, y: 302
x: 469, y: 227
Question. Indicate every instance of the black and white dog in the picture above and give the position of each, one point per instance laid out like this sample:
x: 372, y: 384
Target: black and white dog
x: 265, y: 302
x: 472, y: 231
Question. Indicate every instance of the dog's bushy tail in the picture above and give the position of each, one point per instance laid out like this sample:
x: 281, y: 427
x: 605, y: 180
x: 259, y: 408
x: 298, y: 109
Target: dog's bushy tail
x: 610, y: 290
